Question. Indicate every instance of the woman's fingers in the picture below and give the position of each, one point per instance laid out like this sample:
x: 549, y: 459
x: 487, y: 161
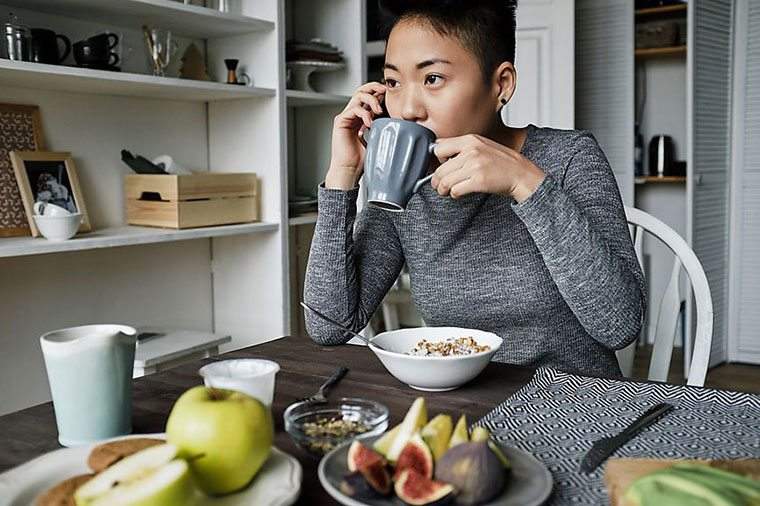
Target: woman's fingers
x: 449, y: 166
x: 446, y: 148
x: 360, y: 112
x: 363, y: 98
x: 455, y: 177
x: 465, y: 186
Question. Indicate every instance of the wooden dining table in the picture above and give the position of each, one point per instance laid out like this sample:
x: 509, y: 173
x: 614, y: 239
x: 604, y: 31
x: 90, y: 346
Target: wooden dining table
x: 304, y: 367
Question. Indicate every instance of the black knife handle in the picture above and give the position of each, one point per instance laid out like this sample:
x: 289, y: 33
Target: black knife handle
x: 647, y: 418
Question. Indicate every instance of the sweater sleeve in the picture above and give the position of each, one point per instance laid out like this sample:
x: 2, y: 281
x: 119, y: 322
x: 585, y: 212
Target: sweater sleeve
x: 349, y: 271
x: 580, y: 229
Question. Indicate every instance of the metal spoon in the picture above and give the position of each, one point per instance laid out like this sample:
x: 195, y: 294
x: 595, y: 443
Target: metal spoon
x: 340, y: 326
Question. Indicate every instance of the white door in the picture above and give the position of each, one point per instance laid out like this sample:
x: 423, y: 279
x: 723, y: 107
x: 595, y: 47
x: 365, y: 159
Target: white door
x: 744, y: 317
x: 544, y: 60
x: 709, y: 90
x: 604, y: 79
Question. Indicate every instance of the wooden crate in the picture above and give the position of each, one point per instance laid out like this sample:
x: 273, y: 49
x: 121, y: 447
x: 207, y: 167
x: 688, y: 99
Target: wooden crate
x: 190, y: 201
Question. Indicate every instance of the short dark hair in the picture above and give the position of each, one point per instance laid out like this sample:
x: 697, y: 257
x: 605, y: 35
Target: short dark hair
x: 484, y: 27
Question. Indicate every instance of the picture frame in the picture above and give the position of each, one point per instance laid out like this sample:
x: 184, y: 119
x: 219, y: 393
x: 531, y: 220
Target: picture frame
x: 20, y: 130
x: 49, y: 177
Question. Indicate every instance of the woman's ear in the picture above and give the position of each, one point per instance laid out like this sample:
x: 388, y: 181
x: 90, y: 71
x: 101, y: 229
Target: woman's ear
x: 505, y: 82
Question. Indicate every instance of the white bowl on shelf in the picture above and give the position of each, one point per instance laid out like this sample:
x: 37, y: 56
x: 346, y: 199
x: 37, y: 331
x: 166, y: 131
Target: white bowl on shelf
x: 58, y: 228
x: 432, y: 374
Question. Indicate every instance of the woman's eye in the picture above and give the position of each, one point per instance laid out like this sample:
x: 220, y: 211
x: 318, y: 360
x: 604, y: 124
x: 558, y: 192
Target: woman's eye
x: 433, y: 79
x: 390, y: 83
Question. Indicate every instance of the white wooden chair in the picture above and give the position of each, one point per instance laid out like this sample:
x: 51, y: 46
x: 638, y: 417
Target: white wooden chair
x: 695, y: 364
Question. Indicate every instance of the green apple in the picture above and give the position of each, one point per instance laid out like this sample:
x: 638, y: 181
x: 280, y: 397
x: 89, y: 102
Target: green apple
x: 225, y: 435
x: 151, y: 477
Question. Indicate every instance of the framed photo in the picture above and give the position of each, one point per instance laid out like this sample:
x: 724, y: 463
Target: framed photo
x: 20, y: 130
x: 50, y: 177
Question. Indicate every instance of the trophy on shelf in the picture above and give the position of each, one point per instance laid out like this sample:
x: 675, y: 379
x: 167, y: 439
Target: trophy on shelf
x: 161, y: 48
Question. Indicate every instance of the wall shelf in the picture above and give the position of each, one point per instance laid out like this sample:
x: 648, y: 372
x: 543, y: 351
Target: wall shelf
x: 375, y: 48
x: 123, y: 236
x: 306, y: 219
x: 297, y: 98
x: 102, y: 82
x: 660, y: 180
x: 189, y: 20
x: 665, y: 9
x: 656, y: 52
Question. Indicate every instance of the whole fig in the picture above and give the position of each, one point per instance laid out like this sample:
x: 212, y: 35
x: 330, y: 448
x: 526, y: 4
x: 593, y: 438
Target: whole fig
x: 475, y: 472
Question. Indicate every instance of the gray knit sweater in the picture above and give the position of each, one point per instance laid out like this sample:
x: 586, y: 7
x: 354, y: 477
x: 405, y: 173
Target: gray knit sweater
x: 555, y: 276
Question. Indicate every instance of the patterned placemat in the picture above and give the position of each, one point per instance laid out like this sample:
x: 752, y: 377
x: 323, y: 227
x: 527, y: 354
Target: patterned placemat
x: 557, y: 417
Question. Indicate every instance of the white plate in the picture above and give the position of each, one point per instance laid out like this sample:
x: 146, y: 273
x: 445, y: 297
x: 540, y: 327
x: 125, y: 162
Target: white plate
x: 278, y: 483
x: 530, y: 483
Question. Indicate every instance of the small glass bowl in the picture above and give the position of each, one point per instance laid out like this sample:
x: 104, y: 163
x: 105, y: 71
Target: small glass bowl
x: 305, y: 422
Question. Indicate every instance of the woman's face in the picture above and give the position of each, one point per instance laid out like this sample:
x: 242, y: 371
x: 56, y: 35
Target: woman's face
x: 434, y: 81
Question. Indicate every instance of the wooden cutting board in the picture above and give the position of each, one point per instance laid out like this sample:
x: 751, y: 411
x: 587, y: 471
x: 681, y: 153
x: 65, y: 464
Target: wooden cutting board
x: 620, y: 473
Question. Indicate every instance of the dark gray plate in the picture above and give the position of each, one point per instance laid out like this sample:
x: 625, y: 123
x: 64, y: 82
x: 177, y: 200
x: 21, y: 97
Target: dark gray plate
x: 529, y: 485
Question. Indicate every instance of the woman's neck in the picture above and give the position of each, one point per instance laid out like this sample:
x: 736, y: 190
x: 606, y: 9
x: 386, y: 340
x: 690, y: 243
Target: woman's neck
x: 513, y: 138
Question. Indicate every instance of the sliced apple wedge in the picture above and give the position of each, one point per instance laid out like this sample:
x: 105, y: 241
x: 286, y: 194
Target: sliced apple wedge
x: 415, y: 419
x: 151, y: 477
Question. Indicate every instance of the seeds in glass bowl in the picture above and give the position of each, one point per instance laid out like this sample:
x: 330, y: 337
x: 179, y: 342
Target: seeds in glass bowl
x: 332, y: 429
x: 465, y: 345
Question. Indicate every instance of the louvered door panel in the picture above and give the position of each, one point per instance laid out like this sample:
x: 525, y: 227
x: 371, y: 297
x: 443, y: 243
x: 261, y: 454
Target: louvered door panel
x: 710, y: 68
x: 746, y: 199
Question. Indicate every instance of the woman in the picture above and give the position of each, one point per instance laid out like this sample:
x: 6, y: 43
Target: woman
x: 521, y: 231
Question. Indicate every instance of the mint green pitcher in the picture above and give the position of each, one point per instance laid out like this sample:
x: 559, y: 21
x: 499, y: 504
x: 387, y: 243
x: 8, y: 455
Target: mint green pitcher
x: 89, y: 370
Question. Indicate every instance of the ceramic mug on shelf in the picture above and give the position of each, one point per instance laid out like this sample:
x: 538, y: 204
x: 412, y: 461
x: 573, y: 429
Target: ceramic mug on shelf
x: 397, y: 159
x: 45, y: 47
x: 46, y: 209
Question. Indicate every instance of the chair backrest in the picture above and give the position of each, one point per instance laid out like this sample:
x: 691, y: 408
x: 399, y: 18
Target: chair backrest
x: 696, y: 361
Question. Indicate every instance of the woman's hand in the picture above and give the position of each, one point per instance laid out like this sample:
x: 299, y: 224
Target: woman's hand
x: 347, y: 157
x: 472, y: 163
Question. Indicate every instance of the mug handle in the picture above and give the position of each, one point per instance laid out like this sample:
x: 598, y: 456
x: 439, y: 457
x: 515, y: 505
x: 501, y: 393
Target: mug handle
x: 67, y: 43
x: 112, y: 45
x: 247, y: 81
x: 39, y: 208
x: 427, y: 178
x: 115, y: 58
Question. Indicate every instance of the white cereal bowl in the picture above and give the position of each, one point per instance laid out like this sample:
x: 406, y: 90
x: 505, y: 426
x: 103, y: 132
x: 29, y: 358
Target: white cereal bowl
x: 432, y: 374
x: 58, y: 228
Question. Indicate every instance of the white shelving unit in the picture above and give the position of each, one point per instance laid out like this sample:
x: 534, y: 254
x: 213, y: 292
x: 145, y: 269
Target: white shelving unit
x: 190, y: 20
x: 101, y: 82
x: 375, y: 48
x: 233, y: 280
x: 306, y: 219
x: 297, y: 98
x: 124, y: 236
x: 310, y: 116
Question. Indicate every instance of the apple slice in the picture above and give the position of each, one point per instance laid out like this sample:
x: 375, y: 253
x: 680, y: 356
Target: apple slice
x: 383, y: 444
x: 437, y: 434
x: 415, y: 419
x: 460, y: 434
x: 151, y: 477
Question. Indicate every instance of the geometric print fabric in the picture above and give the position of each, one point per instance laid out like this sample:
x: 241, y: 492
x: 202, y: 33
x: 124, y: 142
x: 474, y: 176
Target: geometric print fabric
x: 557, y: 417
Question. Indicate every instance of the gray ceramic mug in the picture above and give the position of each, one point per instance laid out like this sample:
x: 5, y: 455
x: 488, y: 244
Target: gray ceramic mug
x: 397, y: 158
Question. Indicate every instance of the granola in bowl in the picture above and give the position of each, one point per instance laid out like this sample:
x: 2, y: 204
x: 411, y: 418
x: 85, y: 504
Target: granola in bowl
x: 452, y: 346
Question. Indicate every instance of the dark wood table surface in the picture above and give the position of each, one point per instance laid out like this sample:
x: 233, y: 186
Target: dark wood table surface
x: 304, y: 366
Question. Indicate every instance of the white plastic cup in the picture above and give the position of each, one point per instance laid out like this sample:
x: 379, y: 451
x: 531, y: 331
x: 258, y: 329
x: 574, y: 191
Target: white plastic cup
x: 252, y: 376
